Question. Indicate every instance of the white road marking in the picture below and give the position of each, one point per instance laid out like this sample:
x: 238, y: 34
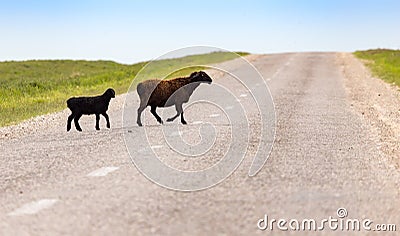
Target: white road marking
x: 243, y: 95
x: 229, y: 108
x: 156, y: 146
x: 214, y: 115
x: 142, y: 150
x: 103, y: 171
x: 278, y: 71
x: 197, y: 122
x: 33, y: 207
x: 176, y: 133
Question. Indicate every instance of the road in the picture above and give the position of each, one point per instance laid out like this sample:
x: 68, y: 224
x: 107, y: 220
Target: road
x: 325, y: 156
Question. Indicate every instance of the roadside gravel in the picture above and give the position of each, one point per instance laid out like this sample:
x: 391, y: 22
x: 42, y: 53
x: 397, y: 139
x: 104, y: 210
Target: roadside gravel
x: 376, y: 102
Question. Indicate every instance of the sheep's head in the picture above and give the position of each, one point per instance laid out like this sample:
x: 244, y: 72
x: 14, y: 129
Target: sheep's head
x: 200, y: 77
x: 110, y: 93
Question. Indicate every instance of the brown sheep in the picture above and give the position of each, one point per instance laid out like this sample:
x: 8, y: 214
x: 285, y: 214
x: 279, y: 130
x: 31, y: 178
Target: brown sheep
x: 164, y: 93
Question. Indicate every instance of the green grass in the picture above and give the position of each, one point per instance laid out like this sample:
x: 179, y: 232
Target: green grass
x: 383, y: 63
x: 32, y: 88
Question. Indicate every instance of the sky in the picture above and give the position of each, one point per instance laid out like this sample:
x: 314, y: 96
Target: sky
x: 132, y: 31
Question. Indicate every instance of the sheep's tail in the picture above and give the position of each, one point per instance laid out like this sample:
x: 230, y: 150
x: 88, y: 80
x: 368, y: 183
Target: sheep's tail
x: 140, y: 89
x: 71, y: 102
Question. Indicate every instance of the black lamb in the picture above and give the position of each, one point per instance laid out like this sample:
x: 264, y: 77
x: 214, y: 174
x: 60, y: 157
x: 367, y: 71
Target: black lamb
x: 164, y: 93
x: 88, y: 106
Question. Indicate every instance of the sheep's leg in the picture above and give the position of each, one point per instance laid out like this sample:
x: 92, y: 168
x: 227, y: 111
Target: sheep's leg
x: 173, y: 118
x: 76, y: 119
x: 107, y: 119
x: 97, y: 122
x: 153, y: 111
x: 183, y: 119
x: 179, y: 110
x: 70, y: 118
x: 139, y: 114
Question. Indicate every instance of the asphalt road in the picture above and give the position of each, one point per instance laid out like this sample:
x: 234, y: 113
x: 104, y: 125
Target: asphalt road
x: 324, y: 157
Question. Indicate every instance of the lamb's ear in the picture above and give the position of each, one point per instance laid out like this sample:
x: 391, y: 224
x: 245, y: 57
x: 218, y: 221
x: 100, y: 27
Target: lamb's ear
x: 194, y: 74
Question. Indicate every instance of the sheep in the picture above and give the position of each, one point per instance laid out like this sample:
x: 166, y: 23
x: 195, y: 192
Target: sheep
x: 89, y: 105
x: 164, y: 93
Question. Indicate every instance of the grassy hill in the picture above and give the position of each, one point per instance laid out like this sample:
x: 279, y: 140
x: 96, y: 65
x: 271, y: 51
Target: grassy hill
x: 36, y: 87
x: 383, y: 63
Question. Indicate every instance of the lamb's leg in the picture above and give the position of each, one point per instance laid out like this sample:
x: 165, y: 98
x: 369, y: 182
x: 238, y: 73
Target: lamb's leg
x: 179, y: 110
x: 107, y: 119
x: 153, y: 111
x: 97, y: 122
x: 76, y: 119
x: 70, y: 118
x: 139, y: 114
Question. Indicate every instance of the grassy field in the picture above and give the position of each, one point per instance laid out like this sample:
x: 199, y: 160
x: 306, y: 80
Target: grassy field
x: 384, y: 63
x: 32, y: 88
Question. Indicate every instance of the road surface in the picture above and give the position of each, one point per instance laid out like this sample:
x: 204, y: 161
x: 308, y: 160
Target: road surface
x: 326, y: 156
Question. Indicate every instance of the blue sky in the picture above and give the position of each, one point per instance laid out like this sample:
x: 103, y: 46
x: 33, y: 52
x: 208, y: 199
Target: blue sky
x: 131, y: 31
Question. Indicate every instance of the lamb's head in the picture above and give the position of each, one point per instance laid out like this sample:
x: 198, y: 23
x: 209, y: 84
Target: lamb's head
x: 110, y: 93
x: 200, y: 77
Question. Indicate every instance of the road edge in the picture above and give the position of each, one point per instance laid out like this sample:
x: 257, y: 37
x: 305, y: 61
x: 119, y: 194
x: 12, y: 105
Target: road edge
x: 376, y: 102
